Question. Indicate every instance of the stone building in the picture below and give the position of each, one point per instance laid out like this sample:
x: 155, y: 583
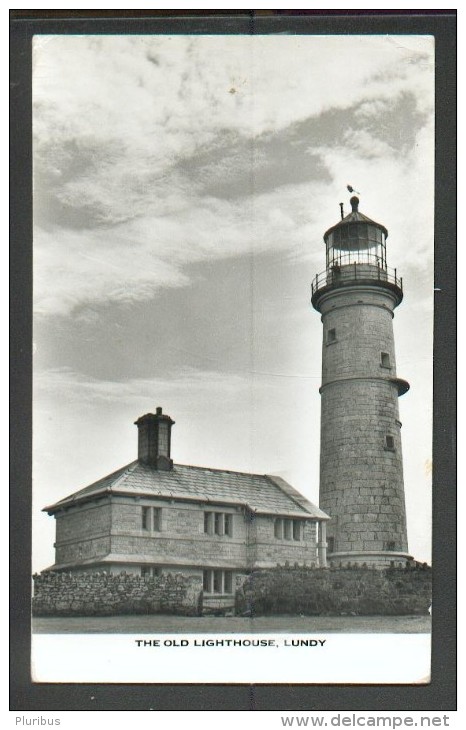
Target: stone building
x: 361, y: 468
x: 153, y: 517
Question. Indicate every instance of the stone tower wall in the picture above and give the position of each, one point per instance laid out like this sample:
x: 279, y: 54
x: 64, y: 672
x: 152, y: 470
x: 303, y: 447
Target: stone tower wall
x: 363, y: 324
x: 361, y: 479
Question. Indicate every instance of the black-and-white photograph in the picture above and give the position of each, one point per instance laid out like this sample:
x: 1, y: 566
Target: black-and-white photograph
x: 233, y: 335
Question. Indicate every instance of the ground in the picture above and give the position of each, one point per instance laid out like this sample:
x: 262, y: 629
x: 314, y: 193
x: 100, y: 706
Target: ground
x: 232, y: 625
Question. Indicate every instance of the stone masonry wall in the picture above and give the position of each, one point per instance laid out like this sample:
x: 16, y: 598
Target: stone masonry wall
x: 114, y: 527
x: 103, y: 594
x: 361, y: 480
x: 83, y: 532
x: 181, y: 538
x: 361, y: 475
x: 336, y: 591
x: 270, y: 551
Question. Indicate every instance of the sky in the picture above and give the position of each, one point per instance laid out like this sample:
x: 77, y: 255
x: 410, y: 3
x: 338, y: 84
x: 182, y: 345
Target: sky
x: 182, y: 186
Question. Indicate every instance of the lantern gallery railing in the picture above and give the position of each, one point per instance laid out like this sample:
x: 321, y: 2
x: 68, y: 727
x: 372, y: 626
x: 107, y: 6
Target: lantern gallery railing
x: 347, y: 272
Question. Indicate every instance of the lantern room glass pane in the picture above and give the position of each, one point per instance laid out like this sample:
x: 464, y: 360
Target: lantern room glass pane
x: 355, y: 243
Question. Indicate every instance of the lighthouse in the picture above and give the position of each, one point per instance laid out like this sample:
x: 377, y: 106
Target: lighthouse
x: 361, y: 466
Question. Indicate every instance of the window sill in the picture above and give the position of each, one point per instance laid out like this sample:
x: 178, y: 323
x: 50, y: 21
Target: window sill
x: 217, y: 595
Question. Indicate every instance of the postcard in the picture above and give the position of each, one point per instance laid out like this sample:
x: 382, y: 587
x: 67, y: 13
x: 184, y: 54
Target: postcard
x: 233, y: 350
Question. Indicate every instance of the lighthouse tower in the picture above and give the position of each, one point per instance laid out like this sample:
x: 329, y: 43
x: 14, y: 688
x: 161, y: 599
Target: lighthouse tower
x: 361, y: 468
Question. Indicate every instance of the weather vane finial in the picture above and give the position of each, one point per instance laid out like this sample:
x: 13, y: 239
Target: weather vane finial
x: 350, y: 189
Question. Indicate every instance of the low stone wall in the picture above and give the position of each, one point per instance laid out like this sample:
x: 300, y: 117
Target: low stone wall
x: 104, y: 594
x: 358, y: 591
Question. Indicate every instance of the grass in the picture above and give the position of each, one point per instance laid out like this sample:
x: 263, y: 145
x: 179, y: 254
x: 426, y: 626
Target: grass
x: 233, y: 625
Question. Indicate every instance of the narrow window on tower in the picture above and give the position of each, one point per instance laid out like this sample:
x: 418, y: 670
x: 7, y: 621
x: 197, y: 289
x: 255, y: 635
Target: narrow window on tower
x: 385, y: 359
x: 389, y: 443
x: 331, y: 336
x: 330, y: 544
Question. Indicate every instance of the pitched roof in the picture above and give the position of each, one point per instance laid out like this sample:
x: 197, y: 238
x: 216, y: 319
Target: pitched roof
x: 260, y: 493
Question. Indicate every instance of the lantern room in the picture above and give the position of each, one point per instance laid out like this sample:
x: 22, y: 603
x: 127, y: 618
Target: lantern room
x: 356, y: 252
x: 356, y: 239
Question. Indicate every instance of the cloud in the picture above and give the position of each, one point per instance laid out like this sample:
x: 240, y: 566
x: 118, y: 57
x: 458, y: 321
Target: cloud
x: 145, y: 162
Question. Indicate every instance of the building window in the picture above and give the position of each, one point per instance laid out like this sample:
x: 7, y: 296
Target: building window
x: 391, y: 545
x: 228, y: 525
x: 218, y: 523
x: 217, y: 581
x: 331, y: 544
x: 331, y: 336
x: 228, y: 581
x: 385, y: 360
x: 150, y: 571
x: 287, y: 529
x: 389, y: 443
x: 146, y: 518
x: 151, y: 519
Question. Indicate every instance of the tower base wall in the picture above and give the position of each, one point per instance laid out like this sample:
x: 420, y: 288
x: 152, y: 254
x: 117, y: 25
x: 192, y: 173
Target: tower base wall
x: 371, y: 559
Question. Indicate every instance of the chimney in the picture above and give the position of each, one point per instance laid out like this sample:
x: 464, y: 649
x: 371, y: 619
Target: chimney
x: 154, y: 440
